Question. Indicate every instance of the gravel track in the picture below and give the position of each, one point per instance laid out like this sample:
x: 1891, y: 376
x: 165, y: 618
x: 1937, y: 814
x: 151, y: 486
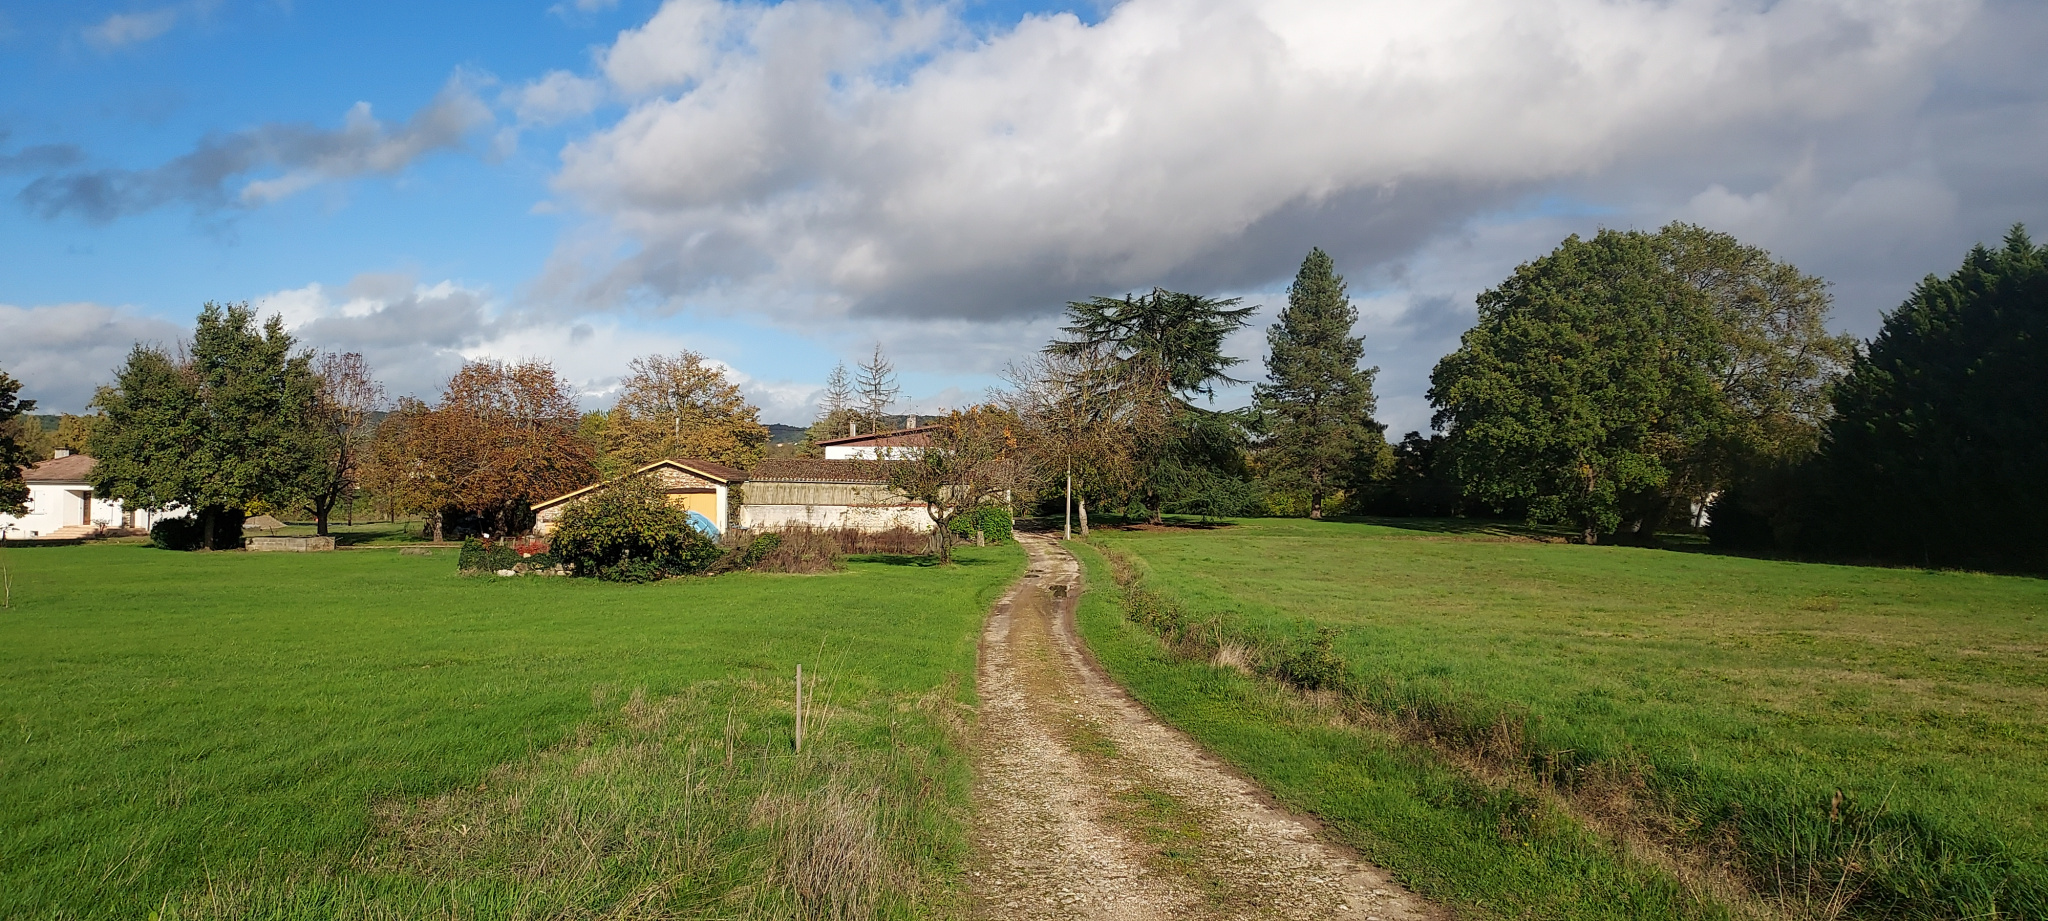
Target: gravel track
x: 1088, y: 807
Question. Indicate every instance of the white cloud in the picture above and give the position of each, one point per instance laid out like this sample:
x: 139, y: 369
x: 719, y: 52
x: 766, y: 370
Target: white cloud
x: 62, y: 352
x: 558, y: 96
x: 123, y: 29
x: 843, y: 158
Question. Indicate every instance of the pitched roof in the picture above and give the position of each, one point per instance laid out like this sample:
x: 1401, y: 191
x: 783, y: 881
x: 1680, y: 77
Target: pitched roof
x: 710, y: 470
x: 817, y: 470
x: 920, y: 437
x: 72, y: 469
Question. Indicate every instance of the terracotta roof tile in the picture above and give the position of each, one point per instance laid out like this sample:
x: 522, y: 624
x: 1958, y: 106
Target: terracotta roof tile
x: 71, y: 469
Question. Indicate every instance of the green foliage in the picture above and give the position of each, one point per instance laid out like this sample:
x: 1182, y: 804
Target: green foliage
x: 992, y: 520
x: 226, y: 426
x: 1317, y: 404
x: 13, y: 453
x: 181, y: 533
x: 1585, y: 375
x: 1316, y: 665
x: 1841, y: 733
x: 1938, y: 451
x: 628, y: 532
x: 481, y: 555
x: 1166, y: 347
x: 351, y: 736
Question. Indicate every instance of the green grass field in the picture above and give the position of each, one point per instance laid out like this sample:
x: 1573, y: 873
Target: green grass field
x: 364, y: 734
x: 1846, y: 737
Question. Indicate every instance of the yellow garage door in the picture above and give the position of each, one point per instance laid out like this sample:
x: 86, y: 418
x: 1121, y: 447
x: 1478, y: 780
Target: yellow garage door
x: 703, y: 502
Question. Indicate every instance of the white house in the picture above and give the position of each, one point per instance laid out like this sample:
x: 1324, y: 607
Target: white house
x: 61, y: 504
x: 902, y: 444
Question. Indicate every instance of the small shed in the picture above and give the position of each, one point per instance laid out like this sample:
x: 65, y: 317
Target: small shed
x: 700, y: 486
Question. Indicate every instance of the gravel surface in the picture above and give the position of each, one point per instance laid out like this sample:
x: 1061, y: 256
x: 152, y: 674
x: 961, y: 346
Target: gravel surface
x: 1087, y: 807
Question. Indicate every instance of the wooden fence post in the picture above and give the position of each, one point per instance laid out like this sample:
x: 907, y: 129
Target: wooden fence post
x: 799, y: 706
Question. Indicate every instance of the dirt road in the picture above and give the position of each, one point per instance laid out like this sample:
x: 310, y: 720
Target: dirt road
x: 1087, y: 807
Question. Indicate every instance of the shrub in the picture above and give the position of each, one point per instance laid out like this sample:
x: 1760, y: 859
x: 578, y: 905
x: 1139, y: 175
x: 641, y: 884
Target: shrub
x: 1317, y: 665
x: 628, y: 532
x: 746, y: 555
x: 993, y: 521
x: 519, y: 555
x: 801, y: 549
x: 183, y: 533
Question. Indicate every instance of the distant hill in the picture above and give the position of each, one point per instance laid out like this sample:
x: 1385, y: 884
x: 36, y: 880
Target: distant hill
x: 779, y: 434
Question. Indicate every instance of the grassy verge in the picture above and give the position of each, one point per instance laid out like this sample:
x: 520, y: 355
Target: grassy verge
x: 367, y: 735
x: 1489, y: 849
x: 1835, y: 740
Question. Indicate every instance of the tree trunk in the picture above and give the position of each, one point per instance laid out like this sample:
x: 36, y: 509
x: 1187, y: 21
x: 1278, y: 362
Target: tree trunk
x: 1083, y: 502
x: 208, y: 516
x: 1589, y: 536
x: 1315, y: 505
x: 322, y: 510
x: 438, y: 515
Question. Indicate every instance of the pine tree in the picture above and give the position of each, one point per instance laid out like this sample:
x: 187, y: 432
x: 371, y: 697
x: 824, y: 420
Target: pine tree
x: 1319, y: 404
x: 877, y: 390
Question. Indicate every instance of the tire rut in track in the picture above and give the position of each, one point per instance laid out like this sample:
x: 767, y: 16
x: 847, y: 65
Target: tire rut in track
x: 1088, y: 807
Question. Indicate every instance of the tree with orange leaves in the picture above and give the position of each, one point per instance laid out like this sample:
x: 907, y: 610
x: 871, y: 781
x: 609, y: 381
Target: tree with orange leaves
x: 503, y: 437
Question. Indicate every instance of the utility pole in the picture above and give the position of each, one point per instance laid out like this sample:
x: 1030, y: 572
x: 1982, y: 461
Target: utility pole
x: 1070, y: 499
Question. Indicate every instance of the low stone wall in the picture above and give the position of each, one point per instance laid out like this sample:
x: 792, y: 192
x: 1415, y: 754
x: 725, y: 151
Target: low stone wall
x: 290, y: 544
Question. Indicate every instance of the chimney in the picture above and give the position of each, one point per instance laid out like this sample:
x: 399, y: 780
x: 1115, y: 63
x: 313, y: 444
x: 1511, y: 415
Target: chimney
x: 62, y: 452
x: 910, y: 423
x: 852, y: 427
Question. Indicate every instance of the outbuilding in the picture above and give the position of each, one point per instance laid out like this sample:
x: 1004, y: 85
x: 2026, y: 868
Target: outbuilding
x: 828, y: 493
x: 704, y: 488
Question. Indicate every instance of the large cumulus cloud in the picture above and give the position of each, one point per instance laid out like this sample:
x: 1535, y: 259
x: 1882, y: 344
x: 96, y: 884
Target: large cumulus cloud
x: 892, y: 163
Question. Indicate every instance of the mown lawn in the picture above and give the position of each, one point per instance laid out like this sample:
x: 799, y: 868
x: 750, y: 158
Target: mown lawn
x: 366, y: 734
x: 1868, y: 737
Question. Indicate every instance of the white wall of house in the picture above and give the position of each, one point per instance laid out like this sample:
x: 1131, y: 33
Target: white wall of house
x: 871, y: 452
x: 52, y: 506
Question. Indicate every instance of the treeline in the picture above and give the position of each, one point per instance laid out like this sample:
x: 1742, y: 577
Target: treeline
x: 241, y: 421
x: 1617, y: 387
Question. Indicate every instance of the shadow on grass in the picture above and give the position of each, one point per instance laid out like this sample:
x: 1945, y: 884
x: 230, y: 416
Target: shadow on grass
x: 920, y: 560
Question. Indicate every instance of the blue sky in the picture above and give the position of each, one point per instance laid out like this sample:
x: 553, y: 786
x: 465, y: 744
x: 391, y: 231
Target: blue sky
x: 782, y: 186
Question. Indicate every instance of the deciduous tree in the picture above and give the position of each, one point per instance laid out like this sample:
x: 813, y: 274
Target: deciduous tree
x: 342, y: 417
x: 683, y: 406
x: 1317, y: 405
x: 213, y: 430
x: 13, y: 454
x: 1079, y: 426
x: 975, y: 456
x: 1581, y: 385
x: 875, y: 390
x: 836, y: 409
x: 504, y: 435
